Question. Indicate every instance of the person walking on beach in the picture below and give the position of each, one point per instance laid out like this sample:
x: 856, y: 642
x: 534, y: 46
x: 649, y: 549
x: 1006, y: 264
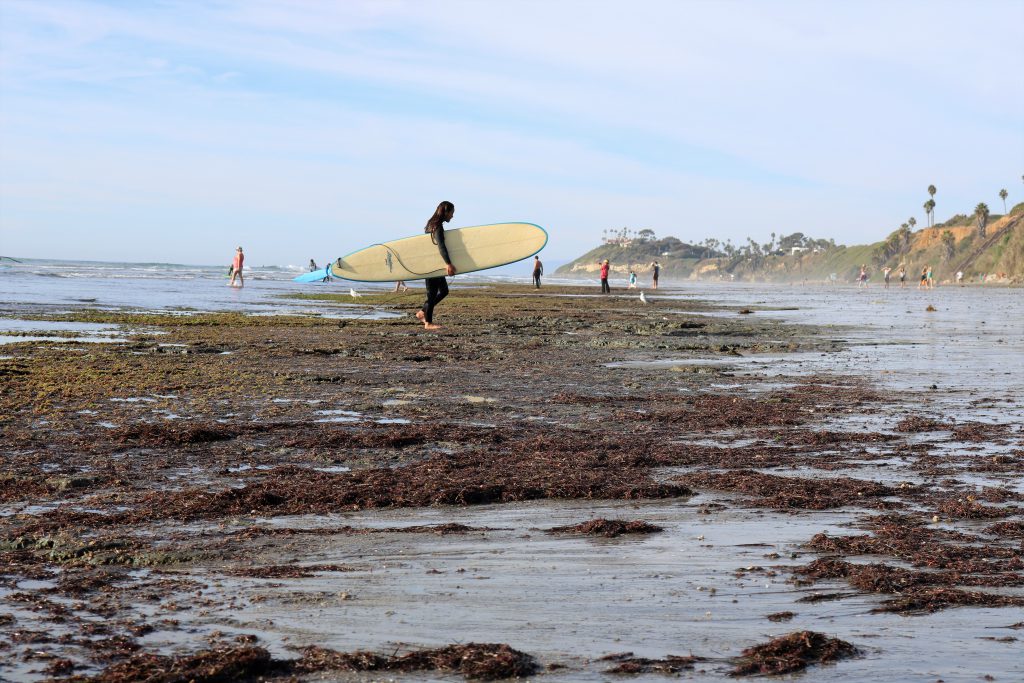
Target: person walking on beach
x: 923, y: 284
x: 657, y: 270
x: 885, y: 275
x: 312, y: 265
x: 632, y: 280
x: 400, y: 286
x: 538, y: 270
x: 903, y: 276
x: 605, y: 289
x: 862, y: 279
x: 931, y: 280
x: 437, y: 287
x: 236, y: 268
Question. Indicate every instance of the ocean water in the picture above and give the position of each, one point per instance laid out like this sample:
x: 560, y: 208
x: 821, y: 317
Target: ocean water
x: 35, y: 284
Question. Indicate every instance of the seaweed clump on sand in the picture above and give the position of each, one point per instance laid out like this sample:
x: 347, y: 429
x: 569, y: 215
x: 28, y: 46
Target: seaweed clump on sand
x: 783, y: 493
x: 284, y: 571
x: 464, y: 480
x: 209, y: 666
x: 481, y: 661
x: 948, y: 561
x: 910, y: 540
x: 626, y: 663
x: 716, y: 411
x: 971, y: 509
x: 916, y: 423
x: 1007, y: 529
x: 609, y: 528
x: 792, y: 652
x: 151, y: 435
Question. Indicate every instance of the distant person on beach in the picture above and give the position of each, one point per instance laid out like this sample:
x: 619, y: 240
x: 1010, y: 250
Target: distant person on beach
x: 657, y: 271
x: 632, y: 280
x: 312, y: 265
x: 236, y: 268
x: 923, y: 284
x: 862, y: 279
x: 400, y: 286
x: 538, y: 270
x: 903, y: 277
x: 605, y: 289
x: 437, y: 287
x: 885, y: 275
x: 930, y: 279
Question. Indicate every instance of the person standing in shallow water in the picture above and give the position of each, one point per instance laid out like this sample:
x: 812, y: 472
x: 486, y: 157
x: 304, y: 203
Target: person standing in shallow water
x: 657, y: 270
x: 538, y: 270
x: 437, y: 287
x: 236, y: 268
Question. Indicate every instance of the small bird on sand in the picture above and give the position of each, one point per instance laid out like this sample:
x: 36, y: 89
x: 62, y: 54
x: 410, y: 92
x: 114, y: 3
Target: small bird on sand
x: 643, y: 299
x: 354, y: 293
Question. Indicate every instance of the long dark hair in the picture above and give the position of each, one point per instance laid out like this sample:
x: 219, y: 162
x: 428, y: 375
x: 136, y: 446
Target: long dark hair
x: 442, y: 214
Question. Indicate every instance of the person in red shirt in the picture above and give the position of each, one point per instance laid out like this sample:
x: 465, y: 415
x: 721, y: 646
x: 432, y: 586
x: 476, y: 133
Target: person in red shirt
x: 605, y: 289
x: 236, y: 268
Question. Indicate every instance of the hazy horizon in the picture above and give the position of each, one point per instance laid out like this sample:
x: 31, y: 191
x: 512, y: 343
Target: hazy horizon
x: 174, y: 132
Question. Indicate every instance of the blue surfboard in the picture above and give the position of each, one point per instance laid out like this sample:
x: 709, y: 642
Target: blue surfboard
x: 314, y: 275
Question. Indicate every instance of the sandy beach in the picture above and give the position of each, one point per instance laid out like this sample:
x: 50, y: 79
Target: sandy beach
x: 558, y: 485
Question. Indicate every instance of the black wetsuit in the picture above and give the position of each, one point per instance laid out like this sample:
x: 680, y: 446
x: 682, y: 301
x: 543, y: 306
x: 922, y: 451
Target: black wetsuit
x: 437, y: 287
x: 538, y: 270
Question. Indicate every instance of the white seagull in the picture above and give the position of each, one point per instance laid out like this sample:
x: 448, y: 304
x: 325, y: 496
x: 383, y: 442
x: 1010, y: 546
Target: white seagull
x: 643, y: 299
x: 354, y: 293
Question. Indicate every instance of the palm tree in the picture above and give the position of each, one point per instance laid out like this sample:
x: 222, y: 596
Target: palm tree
x: 929, y: 209
x: 981, y: 216
x: 911, y: 222
x: 931, y: 198
x: 1003, y: 194
x: 949, y: 242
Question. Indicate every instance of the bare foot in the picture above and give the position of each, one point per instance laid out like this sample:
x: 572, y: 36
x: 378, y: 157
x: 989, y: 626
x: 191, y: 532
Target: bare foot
x: 431, y: 326
x: 420, y: 315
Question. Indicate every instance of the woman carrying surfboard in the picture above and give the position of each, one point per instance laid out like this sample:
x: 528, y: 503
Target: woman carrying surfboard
x: 437, y: 287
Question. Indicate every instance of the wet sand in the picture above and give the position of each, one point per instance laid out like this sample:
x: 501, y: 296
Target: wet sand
x: 218, y: 493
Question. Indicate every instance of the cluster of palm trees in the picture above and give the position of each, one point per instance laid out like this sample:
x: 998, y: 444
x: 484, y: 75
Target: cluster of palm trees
x: 929, y: 206
x: 981, y: 212
x: 626, y: 236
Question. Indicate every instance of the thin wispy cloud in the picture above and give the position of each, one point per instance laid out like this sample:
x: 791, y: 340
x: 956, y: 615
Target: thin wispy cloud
x: 303, y: 127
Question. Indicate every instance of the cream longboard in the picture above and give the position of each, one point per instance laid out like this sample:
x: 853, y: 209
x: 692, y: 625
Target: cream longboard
x: 470, y: 249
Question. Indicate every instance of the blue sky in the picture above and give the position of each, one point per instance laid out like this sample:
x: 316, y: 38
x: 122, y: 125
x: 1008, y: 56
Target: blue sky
x: 174, y: 131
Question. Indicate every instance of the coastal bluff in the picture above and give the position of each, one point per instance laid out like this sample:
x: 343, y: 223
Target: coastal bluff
x: 993, y: 254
